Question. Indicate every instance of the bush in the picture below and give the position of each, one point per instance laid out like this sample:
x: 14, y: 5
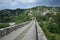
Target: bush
x: 50, y: 29
x: 53, y: 28
x: 2, y: 25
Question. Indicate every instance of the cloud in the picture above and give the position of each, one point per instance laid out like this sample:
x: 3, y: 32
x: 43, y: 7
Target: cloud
x: 23, y: 2
x: 12, y: 4
x: 27, y: 1
x: 5, y: 4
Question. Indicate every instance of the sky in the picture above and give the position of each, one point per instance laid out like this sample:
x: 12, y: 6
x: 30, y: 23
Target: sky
x: 13, y: 4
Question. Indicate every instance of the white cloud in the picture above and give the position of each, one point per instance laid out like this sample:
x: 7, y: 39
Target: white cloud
x: 19, y: 2
x: 13, y: 3
x: 27, y: 1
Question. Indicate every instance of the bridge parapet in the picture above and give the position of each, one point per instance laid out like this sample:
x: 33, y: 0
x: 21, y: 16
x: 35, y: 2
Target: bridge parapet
x: 7, y: 30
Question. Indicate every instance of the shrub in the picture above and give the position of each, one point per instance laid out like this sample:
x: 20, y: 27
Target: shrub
x: 2, y: 25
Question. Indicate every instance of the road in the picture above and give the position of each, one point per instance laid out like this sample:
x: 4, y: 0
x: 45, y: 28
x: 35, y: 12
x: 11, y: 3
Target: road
x: 14, y: 34
x: 31, y: 34
x: 27, y: 32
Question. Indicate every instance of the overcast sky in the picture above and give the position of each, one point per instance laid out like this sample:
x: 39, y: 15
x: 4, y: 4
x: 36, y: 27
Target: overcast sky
x: 13, y: 4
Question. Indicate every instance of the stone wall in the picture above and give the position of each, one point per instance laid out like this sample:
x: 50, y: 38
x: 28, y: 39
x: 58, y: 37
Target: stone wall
x: 6, y: 31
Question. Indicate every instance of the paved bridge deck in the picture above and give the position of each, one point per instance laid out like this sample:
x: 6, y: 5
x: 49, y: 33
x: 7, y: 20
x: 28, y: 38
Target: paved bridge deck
x: 28, y: 35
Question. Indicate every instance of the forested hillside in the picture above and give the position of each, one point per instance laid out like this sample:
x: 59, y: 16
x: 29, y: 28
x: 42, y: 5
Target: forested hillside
x: 48, y: 18
x: 16, y: 16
